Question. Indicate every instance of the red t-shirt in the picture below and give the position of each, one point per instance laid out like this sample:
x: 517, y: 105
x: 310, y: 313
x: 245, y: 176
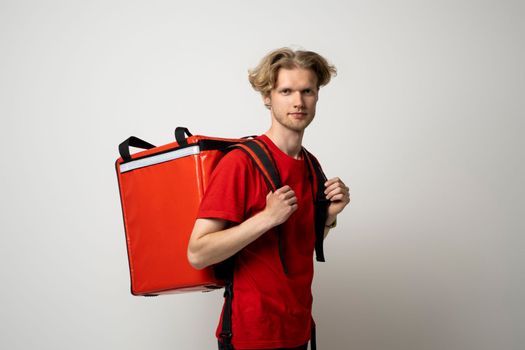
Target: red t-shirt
x: 269, y: 309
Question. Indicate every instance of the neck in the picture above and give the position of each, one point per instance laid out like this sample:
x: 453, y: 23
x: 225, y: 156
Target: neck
x: 288, y: 141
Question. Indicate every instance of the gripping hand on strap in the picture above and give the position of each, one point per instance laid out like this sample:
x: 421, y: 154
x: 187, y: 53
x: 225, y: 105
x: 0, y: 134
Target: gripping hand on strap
x: 281, y: 204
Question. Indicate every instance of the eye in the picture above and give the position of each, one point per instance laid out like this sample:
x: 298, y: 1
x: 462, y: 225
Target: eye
x: 308, y: 91
x: 285, y: 91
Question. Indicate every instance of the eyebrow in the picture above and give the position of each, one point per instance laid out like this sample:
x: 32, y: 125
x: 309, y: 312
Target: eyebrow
x: 289, y: 88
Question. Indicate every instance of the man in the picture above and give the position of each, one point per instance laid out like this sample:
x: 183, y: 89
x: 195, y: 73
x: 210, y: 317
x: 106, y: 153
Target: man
x: 271, y: 309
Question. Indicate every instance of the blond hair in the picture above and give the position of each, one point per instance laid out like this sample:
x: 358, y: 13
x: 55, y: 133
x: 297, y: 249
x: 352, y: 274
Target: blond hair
x: 264, y: 77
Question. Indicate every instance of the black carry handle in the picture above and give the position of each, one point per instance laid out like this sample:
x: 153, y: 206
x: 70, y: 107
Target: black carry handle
x: 132, y: 141
x: 179, y: 135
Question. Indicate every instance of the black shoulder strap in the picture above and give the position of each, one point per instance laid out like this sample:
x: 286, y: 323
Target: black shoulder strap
x: 258, y: 152
x: 264, y: 162
x: 225, y: 336
x: 318, y: 179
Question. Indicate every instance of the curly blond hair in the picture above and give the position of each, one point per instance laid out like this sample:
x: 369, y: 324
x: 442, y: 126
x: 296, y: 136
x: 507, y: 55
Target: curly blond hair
x: 264, y: 76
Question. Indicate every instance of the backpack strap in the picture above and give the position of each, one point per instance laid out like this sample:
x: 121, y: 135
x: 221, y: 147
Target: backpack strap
x: 317, y: 180
x: 313, y: 341
x: 258, y: 152
x: 264, y: 162
x: 225, y: 336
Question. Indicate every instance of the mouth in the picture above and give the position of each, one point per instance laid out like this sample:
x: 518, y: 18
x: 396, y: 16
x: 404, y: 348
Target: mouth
x: 297, y: 114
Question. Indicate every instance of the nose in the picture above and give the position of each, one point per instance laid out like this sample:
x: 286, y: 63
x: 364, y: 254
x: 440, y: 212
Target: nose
x: 298, y: 101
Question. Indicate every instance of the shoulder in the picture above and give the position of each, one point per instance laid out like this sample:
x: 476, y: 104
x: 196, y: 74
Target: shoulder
x: 236, y: 158
x: 234, y: 163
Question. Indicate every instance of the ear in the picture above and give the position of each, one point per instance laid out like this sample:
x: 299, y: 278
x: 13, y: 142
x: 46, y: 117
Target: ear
x: 267, y: 101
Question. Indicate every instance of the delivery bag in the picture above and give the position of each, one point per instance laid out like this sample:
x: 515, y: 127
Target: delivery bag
x: 160, y: 190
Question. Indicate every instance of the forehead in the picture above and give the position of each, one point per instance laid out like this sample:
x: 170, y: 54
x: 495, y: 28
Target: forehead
x: 299, y: 78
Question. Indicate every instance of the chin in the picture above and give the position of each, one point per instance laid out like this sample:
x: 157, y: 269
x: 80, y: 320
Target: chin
x: 298, y: 127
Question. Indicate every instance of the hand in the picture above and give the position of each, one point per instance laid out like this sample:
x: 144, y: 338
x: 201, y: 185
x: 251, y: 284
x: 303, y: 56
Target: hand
x: 280, y: 205
x: 339, y: 196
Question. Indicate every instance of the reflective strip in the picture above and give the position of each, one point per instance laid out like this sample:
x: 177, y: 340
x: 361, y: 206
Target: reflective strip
x: 159, y: 158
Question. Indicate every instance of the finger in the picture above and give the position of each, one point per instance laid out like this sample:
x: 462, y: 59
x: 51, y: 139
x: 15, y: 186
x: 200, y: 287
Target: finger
x: 283, y: 189
x: 333, y: 187
x: 338, y: 198
x: 332, y: 180
x: 288, y: 195
x: 291, y: 201
x: 338, y: 188
x: 337, y: 191
x: 336, y: 185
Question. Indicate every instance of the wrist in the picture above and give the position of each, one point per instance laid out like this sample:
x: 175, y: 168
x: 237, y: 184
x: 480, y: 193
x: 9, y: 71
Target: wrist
x: 266, y: 220
x: 331, y: 222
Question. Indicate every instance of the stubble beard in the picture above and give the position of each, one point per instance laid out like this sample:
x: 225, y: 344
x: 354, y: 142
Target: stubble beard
x: 294, y: 125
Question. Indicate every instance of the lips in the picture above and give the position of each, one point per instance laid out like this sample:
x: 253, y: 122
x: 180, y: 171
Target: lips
x: 298, y: 114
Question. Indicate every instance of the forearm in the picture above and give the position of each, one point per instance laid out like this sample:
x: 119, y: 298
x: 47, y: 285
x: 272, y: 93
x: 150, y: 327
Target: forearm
x: 217, y: 246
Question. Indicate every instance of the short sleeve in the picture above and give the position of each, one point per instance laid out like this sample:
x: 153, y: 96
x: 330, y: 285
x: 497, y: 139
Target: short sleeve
x: 225, y: 197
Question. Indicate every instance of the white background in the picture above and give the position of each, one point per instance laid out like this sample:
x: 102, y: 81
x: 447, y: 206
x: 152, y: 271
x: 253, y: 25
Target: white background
x: 424, y: 121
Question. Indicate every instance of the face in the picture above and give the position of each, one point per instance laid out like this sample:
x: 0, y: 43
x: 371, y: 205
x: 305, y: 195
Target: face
x: 294, y: 98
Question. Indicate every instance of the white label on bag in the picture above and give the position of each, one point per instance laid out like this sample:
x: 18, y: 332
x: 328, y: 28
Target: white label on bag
x: 159, y: 158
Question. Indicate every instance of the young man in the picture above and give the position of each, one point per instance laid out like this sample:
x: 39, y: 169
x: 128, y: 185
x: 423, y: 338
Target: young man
x: 238, y: 216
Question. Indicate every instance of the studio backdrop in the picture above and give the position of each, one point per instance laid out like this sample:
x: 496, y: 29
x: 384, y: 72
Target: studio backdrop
x: 424, y: 122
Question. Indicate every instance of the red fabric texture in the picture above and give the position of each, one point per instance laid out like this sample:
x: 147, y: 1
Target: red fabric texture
x: 270, y: 309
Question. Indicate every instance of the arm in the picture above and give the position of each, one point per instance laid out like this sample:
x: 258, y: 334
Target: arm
x: 212, y: 242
